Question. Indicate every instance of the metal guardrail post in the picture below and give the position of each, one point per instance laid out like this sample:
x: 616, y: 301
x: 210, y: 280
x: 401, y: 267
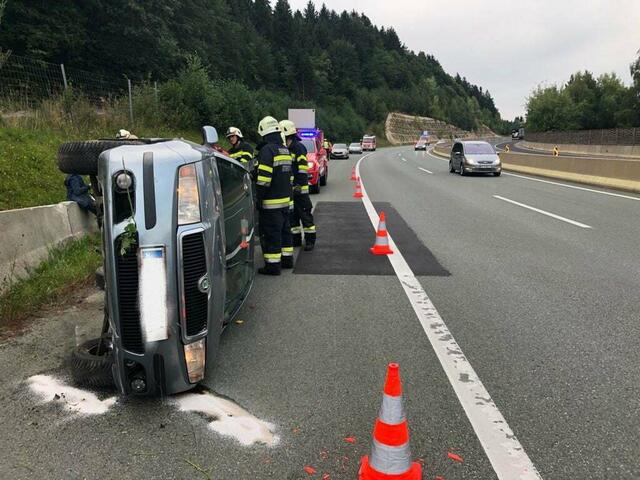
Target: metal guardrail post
x: 64, y: 76
x: 130, y: 102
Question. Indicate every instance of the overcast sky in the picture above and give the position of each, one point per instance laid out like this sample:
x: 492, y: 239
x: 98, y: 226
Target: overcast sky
x: 510, y: 47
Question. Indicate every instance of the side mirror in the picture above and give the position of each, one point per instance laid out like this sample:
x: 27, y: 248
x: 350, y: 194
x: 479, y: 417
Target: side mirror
x: 209, y: 135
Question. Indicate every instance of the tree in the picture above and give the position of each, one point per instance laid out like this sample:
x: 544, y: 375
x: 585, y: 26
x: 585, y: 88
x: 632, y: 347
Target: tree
x: 4, y: 55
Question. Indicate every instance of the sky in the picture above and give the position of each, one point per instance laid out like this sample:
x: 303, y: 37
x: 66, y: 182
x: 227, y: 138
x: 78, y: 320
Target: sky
x: 511, y: 47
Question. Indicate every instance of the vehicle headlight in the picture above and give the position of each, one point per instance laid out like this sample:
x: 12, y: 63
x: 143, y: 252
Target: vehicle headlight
x: 188, y: 198
x: 310, y: 164
x: 124, y: 181
x: 194, y: 355
x: 470, y: 161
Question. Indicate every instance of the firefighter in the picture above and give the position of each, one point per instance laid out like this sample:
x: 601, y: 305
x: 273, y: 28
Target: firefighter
x: 240, y: 149
x: 302, y: 205
x: 273, y: 192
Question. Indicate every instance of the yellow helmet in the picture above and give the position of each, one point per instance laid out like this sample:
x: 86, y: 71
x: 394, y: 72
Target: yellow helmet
x: 268, y: 125
x: 234, y: 131
x: 288, y: 128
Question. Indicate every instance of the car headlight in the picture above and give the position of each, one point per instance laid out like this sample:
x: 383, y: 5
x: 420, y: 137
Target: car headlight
x: 188, y: 198
x: 470, y: 161
x: 124, y: 181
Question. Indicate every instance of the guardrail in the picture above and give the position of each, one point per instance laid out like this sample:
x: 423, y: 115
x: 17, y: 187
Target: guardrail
x: 613, y: 136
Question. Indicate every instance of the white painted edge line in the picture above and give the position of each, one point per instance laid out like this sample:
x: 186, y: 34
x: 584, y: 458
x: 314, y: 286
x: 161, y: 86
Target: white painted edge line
x: 543, y: 212
x: 611, y: 194
x: 425, y: 170
x: 404, y: 159
x: 507, y: 457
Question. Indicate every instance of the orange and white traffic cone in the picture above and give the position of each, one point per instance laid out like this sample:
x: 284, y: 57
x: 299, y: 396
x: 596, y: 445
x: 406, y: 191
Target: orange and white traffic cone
x: 390, y: 457
x: 353, y: 174
x: 381, y: 247
x: 358, y: 192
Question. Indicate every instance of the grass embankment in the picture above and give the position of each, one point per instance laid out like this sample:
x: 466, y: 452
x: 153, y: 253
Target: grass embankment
x: 67, y: 268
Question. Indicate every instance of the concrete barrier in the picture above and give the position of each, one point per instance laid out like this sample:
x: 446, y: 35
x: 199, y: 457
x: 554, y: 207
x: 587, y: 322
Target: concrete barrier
x: 29, y: 233
x: 620, y: 151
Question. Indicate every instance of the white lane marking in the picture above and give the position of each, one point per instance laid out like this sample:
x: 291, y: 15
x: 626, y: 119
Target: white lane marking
x: 432, y: 155
x: 404, y: 159
x: 425, y: 170
x: 543, y: 212
x: 503, y: 449
x: 619, y: 195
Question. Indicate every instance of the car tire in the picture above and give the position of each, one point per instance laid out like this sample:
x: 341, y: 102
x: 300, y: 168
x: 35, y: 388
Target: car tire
x: 324, y: 178
x: 451, y: 169
x: 81, y: 158
x: 497, y: 174
x: 91, y: 370
x: 315, y: 189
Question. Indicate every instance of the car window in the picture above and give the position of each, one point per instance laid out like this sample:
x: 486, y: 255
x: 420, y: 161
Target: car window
x: 478, y: 149
x: 310, y: 145
x: 237, y: 207
x: 340, y: 145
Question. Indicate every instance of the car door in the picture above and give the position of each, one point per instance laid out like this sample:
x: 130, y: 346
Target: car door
x: 238, y: 213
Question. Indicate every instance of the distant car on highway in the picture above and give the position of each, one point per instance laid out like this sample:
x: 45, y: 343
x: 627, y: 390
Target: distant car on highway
x: 517, y: 134
x: 369, y: 143
x: 339, y: 150
x: 355, y: 147
x: 421, y: 145
x: 474, y: 157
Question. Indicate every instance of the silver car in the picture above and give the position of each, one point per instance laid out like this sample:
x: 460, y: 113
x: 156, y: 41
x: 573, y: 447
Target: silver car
x: 355, y: 147
x: 474, y: 157
x: 339, y: 150
x: 177, y: 224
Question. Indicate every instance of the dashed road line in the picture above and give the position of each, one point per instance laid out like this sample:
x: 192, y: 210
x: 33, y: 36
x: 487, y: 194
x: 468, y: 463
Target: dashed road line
x: 425, y: 170
x: 506, y: 454
x: 543, y: 212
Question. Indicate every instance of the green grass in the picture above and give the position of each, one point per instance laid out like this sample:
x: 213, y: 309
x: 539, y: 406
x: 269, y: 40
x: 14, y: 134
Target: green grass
x: 29, y: 175
x: 67, y: 268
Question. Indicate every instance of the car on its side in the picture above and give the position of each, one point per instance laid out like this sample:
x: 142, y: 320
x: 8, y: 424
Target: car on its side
x: 355, y: 147
x: 340, y: 150
x: 177, y: 221
x: 474, y: 157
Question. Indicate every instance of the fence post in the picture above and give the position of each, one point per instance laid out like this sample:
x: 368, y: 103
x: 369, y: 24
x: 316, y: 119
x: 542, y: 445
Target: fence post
x: 130, y: 102
x: 64, y: 76
x: 155, y: 91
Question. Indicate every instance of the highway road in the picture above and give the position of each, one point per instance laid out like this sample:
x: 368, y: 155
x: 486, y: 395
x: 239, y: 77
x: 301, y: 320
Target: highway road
x: 511, y: 304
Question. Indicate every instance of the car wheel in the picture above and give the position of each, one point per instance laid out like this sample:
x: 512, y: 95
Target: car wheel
x: 89, y: 369
x: 314, y: 189
x: 451, y: 169
x: 82, y: 157
x: 496, y: 174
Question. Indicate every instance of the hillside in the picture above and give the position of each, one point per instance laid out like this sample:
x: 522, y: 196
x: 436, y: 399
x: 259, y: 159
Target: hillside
x: 352, y: 70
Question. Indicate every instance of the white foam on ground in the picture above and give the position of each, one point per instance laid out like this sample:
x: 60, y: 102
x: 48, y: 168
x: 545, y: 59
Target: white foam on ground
x: 229, y: 419
x: 74, y: 400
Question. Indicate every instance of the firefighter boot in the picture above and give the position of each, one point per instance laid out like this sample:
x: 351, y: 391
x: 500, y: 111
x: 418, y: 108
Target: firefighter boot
x: 287, y: 262
x: 309, y: 241
x: 270, y: 269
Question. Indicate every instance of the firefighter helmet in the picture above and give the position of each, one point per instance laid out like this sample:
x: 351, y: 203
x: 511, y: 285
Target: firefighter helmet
x: 288, y: 128
x: 268, y: 125
x: 231, y: 131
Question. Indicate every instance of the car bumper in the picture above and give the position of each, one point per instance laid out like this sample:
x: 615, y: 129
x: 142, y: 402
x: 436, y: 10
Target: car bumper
x: 339, y: 155
x: 483, y: 168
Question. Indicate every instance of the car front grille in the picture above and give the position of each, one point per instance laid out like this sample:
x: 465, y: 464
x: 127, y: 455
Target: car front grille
x: 127, y: 287
x: 194, y: 268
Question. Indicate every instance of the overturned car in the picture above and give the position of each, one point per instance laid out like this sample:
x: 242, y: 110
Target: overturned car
x: 177, y: 223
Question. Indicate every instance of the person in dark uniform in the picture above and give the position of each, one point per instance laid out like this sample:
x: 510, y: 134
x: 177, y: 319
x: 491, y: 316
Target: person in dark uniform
x: 240, y: 149
x: 273, y: 192
x: 78, y: 191
x: 302, y: 206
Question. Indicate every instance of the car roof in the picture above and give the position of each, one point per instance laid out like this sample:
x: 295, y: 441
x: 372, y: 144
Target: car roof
x: 474, y: 142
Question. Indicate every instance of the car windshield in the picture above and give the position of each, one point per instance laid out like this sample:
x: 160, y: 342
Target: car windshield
x: 478, y: 149
x: 354, y: 144
x: 310, y: 145
x: 340, y: 145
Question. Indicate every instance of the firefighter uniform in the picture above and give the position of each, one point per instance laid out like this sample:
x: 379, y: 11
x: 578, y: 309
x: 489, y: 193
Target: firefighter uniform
x: 240, y: 150
x: 273, y: 192
x: 302, y: 206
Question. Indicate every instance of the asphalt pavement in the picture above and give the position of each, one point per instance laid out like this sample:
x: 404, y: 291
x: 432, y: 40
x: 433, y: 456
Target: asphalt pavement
x: 544, y: 309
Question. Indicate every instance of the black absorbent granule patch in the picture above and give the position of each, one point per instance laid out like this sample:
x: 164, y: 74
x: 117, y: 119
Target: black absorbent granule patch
x: 345, y: 236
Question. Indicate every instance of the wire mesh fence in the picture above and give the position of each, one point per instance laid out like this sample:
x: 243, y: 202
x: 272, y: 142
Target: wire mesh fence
x: 612, y: 136
x: 25, y: 82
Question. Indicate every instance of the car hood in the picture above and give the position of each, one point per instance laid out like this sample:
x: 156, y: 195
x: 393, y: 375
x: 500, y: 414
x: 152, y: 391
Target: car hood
x: 482, y: 158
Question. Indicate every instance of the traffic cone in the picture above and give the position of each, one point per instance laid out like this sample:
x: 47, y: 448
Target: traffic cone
x: 358, y: 192
x: 353, y: 174
x: 390, y: 457
x: 381, y: 247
